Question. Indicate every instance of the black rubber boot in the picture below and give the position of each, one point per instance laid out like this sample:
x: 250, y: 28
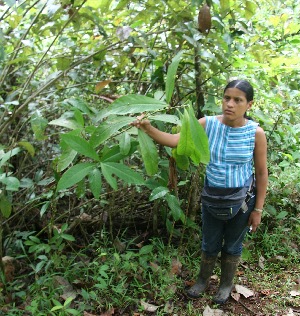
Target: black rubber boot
x: 229, y: 266
x: 206, y: 268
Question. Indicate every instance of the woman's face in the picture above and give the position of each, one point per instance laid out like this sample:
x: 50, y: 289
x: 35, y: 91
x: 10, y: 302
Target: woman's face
x: 235, y: 104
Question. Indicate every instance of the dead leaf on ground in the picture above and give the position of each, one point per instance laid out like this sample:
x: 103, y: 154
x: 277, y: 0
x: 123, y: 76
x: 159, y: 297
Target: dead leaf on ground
x: 68, y: 290
x: 296, y: 290
x: 176, y: 267
x: 289, y: 313
x: 236, y: 296
x: 212, y: 312
x: 149, y: 307
x: 261, y: 262
x: 244, y: 291
x: 109, y: 312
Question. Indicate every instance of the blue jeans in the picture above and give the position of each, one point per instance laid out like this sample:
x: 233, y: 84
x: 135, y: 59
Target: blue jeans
x: 225, y: 235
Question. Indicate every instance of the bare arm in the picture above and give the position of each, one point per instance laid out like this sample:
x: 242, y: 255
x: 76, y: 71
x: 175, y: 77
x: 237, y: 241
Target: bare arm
x: 261, y: 175
x: 162, y: 138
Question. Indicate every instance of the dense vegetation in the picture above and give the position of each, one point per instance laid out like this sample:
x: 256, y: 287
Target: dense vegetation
x: 96, y: 218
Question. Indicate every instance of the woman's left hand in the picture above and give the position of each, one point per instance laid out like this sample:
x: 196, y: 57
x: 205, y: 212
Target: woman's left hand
x: 254, y: 220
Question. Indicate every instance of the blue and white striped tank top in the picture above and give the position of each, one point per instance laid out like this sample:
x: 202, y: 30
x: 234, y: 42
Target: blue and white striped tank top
x: 231, y: 153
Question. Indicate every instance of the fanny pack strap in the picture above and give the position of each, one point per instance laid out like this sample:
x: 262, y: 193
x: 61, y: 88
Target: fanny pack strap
x: 244, y: 206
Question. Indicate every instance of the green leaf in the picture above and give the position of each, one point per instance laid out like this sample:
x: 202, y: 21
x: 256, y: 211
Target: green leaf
x: 38, y: 125
x: 107, y: 129
x: 68, y: 123
x: 251, y: 8
x: 66, y: 159
x: 80, y: 105
x: 67, y: 237
x: 80, y: 145
x: 182, y: 162
x: 171, y: 75
x: 11, y: 183
x: 74, y: 175
x: 146, y: 250
x: 174, y: 206
x: 108, y: 177
x: 131, y: 104
x: 28, y: 146
x: 8, y: 155
x: 149, y: 152
x: 185, y: 145
x: 125, y: 144
x: 5, y: 206
x: 201, y: 152
x: 167, y: 118
x: 158, y: 193
x: 95, y: 182
x: 123, y: 172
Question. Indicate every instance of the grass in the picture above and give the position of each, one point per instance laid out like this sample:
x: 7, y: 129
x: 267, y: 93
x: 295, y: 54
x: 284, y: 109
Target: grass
x: 99, y: 278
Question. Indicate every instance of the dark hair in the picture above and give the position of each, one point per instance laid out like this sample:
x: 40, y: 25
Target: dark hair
x: 242, y: 85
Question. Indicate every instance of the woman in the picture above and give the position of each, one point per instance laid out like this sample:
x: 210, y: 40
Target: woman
x: 231, y: 203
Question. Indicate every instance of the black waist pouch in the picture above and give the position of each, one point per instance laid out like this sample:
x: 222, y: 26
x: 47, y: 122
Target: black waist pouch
x: 225, y: 203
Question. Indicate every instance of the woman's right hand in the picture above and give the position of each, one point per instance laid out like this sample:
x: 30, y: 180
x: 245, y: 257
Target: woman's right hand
x: 142, y: 123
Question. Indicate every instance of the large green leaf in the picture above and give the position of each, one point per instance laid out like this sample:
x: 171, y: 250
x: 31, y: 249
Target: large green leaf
x: 74, y: 175
x: 182, y: 161
x: 66, y: 159
x: 108, y: 128
x: 185, y: 145
x: 68, y: 123
x: 80, y: 145
x: 201, y: 152
x: 123, y: 172
x: 95, y: 182
x: 175, y: 208
x: 125, y: 144
x: 171, y: 76
x: 158, y: 193
x: 131, y: 104
x: 167, y: 118
x: 149, y: 152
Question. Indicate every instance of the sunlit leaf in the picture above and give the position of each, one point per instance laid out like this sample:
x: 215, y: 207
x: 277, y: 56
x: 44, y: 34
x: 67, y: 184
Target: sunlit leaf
x: 131, y: 104
x: 100, y: 85
x: 149, y: 152
x: 171, y: 75
x: 28, y: 146
x: 4, y: 158
x: 185, y: 145
x: 68, y: 123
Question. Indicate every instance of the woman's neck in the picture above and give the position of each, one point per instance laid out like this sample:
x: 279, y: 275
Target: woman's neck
x: 240, y: 122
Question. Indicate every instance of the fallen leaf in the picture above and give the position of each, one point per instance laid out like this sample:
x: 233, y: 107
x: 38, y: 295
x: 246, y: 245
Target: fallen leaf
x: 261, y: 262
x: 68, y: 290
x: 109, y: 312
x: 212, y: 312
x: 244, y: 291
x: 176, y: 266
x: 236, y: 296
x: 100, y: 85
x: 296, y: 290
x: 169, y: 307
x: 290, y: 313
x: 149, y: 307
